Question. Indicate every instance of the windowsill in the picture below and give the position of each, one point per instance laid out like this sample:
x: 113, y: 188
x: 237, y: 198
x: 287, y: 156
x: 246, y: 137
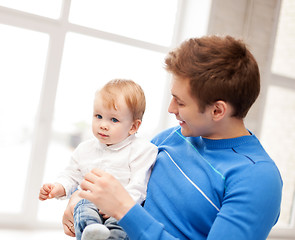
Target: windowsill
x: 15, y: 234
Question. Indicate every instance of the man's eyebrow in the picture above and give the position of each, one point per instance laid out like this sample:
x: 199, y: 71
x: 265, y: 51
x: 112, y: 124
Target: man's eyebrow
x: 173, y: 95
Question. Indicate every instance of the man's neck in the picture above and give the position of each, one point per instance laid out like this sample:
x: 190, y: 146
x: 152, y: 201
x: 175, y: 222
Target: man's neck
x: 232, y: 128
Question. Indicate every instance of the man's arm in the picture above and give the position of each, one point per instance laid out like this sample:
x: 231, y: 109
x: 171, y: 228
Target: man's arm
x: 107, y: 193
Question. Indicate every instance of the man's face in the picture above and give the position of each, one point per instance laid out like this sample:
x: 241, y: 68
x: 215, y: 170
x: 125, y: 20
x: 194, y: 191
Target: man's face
x: 185, y: 108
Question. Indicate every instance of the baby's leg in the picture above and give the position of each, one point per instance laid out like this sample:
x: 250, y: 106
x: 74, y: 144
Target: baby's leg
x: 85, y: 215
x: 96, y: 231
x: 116, y: 231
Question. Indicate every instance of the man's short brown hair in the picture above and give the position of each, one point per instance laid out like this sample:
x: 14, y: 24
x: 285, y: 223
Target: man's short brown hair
x: 218, y: 68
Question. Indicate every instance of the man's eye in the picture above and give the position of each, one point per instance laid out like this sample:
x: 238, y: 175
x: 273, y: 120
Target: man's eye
x: 115, y: 120
x: 180, y: 104
x: 99, y: 116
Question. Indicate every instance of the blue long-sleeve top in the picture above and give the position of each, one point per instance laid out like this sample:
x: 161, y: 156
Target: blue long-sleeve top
x: 208, y: 189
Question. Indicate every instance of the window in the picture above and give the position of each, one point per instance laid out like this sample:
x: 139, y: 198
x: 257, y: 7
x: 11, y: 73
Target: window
x: 278, y: 129
x: 20, y: 90
x: 56, y: 54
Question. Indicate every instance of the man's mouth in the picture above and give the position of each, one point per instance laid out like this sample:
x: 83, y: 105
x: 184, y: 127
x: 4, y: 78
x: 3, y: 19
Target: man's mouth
x: 181, y: 122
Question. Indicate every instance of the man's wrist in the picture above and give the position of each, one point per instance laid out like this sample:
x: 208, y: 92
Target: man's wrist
x: 124, y: 210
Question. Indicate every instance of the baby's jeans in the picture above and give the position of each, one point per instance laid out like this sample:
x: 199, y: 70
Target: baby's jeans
x: 86, y: 213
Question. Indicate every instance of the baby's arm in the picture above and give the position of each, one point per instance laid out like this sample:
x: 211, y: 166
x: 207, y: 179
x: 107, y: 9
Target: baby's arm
x: 49, y: 190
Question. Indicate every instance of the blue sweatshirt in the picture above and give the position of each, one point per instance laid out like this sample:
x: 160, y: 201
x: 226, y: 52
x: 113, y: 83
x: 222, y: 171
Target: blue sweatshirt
x: 208, y: 189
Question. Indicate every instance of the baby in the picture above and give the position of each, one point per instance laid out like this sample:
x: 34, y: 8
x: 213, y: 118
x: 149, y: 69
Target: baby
x: 117, y: 115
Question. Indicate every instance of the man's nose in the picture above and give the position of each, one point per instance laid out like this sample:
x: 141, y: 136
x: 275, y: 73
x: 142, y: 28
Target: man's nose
x: 172, y: 107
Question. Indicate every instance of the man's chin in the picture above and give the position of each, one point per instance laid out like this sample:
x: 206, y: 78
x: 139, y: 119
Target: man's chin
x: 184, y: 132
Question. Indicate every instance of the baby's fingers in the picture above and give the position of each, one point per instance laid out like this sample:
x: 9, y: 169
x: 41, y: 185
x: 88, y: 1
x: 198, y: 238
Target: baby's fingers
x: 44, y: 191
x: 47, y: 187
x: 42, y: 196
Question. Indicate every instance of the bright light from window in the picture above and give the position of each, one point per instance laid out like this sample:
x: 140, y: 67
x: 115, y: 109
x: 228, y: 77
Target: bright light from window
x: 278, y: 137
x: 284, y: 54
x: 147, y: 20
x: 22, y: 61
x: 46, y: 8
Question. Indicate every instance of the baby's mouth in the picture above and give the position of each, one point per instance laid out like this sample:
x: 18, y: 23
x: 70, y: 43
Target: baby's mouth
x: 102, y: 135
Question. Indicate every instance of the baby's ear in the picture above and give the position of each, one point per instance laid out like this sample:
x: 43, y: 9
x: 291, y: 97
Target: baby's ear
x: 135, y: 126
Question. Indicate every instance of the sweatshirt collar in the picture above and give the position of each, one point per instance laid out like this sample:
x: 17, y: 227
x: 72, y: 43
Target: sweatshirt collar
x: 220, y: 143
x: 227, y: 143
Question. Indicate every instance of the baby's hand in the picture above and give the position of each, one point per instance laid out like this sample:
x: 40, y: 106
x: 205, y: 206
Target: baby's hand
x: 48, y: 191
x: 45, y: 191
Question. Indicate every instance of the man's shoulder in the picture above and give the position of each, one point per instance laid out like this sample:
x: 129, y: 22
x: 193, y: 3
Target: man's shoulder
x: 162, y: 136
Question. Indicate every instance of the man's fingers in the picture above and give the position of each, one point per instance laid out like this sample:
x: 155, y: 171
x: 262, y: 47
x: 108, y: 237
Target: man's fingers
x: 98, y: 172
x: 68, y: 230
x: 86, y: 195
x: 68, y: 225
x: 84, y: 185
x: 92, y: 176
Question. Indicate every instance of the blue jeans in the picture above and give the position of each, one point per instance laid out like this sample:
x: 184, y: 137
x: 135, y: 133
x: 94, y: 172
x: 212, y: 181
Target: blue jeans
x: 86, y: 213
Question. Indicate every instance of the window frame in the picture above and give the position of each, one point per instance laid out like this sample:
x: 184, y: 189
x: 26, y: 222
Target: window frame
x: 57, y: 30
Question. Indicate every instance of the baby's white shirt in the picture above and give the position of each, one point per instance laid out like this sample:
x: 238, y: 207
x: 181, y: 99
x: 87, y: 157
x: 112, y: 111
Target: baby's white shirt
x: 130, y: 161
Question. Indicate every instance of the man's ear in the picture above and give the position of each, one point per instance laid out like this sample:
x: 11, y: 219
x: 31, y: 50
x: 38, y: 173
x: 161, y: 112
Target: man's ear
x: 219, y: 110
x: 135, y: 126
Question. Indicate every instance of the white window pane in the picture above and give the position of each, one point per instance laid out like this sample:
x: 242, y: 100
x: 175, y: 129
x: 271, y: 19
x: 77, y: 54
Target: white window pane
x: 46, y: 8
x: 88, y: 63
x: 284, y: 52
x: 22, y: 61
x: 147, y: 20
x: 278, y: 137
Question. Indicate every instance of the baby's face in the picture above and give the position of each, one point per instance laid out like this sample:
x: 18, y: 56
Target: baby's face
x: 109, y: 125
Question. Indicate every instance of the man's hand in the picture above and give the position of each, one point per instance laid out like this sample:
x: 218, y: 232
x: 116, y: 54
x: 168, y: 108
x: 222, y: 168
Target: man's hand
x: 68, y: 219
x: 107, y: 193
x: 103, y: 215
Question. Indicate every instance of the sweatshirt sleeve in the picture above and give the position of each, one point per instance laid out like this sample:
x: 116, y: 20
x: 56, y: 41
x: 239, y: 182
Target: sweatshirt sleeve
x: 139, y: 224
x: 251, y: 205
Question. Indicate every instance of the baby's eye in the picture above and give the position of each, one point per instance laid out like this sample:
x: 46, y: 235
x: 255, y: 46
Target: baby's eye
x: 98, y: 116
x: 115, y: 120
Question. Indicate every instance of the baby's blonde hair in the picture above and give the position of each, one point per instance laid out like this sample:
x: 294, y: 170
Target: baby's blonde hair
x: 131, y: 92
